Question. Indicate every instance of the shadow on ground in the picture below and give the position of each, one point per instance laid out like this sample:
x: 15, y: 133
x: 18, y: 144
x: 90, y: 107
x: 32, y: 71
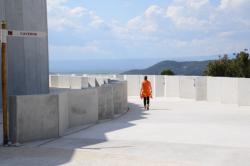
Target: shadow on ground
x: 64, y: 150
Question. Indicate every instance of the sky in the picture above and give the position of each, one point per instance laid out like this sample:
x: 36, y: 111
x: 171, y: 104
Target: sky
x: 146, y: 29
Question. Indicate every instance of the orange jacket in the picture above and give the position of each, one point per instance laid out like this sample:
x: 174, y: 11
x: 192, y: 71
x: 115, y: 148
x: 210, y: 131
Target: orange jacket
x: 146, y: 89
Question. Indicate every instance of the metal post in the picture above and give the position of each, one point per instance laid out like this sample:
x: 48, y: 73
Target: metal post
x: 4, y: 84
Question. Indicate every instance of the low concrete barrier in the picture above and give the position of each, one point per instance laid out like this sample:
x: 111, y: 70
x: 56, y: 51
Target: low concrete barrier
x: 83, y: 107
x: 38, y: 117
x: 34, y: 118
x: 105, y: 102
x: 244, y: 91
x: 201, y: 88
x: 172, y: 86
x: 187, y: 87
x: 214, y: 88
x: 159, y: 86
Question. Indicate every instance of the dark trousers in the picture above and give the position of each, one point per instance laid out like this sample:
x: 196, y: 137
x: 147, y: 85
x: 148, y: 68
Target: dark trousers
x: 146, y: 101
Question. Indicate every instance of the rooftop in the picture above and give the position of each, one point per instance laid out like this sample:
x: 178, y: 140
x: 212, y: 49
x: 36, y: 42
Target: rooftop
x: 174, y: 132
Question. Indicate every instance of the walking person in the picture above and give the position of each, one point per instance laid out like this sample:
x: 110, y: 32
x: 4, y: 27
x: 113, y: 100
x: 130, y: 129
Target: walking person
x: 146, y: 92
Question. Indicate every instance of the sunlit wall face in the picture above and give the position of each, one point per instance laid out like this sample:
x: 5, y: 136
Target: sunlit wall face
x: 27, y: 57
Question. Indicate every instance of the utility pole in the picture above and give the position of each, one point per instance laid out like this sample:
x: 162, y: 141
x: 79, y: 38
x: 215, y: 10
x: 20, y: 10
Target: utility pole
x: 4, y: 83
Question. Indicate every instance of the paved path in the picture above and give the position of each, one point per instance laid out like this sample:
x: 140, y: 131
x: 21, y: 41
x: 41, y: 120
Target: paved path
x: 173, y: 133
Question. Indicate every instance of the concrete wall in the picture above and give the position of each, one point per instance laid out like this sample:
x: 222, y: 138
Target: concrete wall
x: 37, y: 117
x: 187, y: 87
x: 105, y: 102
x: 159, y: 86
x: 214, y: 88
x: 244, y: 92
x: 83, y: 107
x: 229, y: 90
x: 172, y: 86
x: 34, y: 118
x: 201, y: 88
x: 63, y: 107
x: 120, y: 97
x: 134, y: 85
x: 28, y: 71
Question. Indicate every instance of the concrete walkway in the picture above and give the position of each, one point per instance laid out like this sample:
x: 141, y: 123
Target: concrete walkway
x: 174, y: 132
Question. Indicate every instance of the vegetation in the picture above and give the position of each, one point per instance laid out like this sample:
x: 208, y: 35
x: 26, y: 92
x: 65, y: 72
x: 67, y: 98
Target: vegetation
x: 167, y: 72
x: 225, y: 67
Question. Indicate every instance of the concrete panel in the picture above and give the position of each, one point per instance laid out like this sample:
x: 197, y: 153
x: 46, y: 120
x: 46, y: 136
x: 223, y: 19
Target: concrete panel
x: 172, y: 86
x: 63, y: 108
x: 120, y: 97
x: 75, y: 82
x: 105, y: 102
x: 54, y: 81
x: 187, y: 87
x: 63, y: 81
x: 83, y: 107
x: 201, y: 88
x: 85, y: 82
x: 92, y: 82
x: 34, y: 118
x: 214, y: 89
x: 229, y: 91
x: 244, y: 91
x: 159, y: 86
x: 134, y: 85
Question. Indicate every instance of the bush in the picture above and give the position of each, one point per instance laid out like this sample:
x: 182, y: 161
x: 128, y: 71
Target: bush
x: 225, y: 67
x: 167, y: 72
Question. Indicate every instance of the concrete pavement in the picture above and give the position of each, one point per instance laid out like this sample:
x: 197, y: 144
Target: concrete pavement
x: 175, y: 132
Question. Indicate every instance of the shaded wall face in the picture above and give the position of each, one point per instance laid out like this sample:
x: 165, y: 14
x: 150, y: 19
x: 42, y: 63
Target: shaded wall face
x: 27, y: 57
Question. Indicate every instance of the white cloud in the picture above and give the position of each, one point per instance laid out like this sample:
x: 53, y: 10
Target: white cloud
x: 61, y: 16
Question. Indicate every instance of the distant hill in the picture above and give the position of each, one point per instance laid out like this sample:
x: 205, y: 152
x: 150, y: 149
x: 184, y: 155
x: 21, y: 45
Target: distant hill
x: 179, y: 68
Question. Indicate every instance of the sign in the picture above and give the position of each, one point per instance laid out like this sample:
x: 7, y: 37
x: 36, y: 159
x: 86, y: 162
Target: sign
x: 3, y: 36
x: 15, y: 33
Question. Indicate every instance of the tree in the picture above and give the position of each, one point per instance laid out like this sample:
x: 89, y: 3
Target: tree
x: 225, y: 67
x: 167, y: 72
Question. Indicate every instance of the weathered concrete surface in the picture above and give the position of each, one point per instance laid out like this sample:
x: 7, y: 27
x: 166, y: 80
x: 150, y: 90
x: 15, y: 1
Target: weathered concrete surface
x: 34, y: 117
x: 83, y: 107
x: 175, y: 132
x: 105, y: 102
x: 120, y: 97
x: 28, y: 71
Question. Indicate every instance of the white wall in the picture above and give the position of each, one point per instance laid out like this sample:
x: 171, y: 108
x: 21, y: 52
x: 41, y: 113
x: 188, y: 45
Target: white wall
x: 201, y: 88
x: 159, y: 86
x: 187, y: 87
x: 229, y: 90
x: 134, y: 85
x: 172, y: 86
x: 214, y: 88
x: 244, y: 92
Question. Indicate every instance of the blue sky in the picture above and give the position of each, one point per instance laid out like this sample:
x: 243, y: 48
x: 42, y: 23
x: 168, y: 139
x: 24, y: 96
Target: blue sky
x: 146, y: 29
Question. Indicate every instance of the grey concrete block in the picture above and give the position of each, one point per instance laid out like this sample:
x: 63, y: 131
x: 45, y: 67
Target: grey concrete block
x: 105, y: 102
x: 83, y: 106
x: 34, y: 118
x: 63, y: 108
